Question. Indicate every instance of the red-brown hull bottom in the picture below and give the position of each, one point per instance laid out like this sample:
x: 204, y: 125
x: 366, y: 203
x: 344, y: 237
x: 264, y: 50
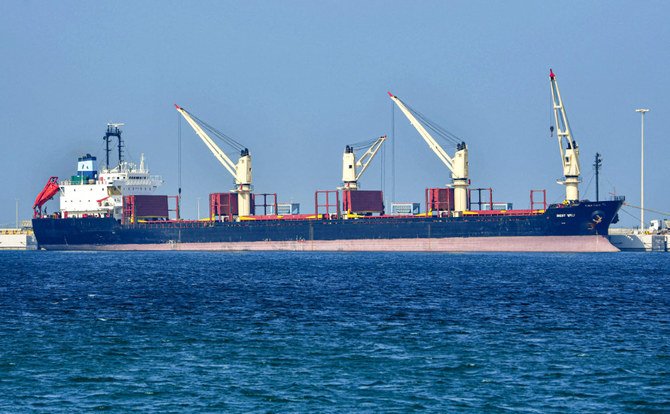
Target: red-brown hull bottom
x: 456, y: 244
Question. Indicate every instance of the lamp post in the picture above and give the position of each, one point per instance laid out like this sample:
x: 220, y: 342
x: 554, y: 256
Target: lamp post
x: 642, y: 111
x: 198, y: 206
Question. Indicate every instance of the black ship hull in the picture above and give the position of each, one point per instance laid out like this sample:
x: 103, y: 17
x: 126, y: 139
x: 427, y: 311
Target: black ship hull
x: 580, y: 226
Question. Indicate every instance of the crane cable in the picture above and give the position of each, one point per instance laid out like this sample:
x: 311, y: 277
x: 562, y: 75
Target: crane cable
x: 392, y: 151
x: 551, y: 117
x: 439, y: 130
x: 589, y: 183
x: 362, y: 144
x: 179, y: 154
x: 218, y: 134
x: 647, y: 209
x: 625, y: 211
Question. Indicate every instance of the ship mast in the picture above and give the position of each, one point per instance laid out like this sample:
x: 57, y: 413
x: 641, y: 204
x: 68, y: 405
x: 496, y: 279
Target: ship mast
x: 113, y: 131
x: 566, y: 144
x: 597, y: 164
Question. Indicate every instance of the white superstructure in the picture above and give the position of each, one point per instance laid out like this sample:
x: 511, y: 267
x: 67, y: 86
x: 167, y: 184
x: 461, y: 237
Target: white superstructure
x: 93, y: 194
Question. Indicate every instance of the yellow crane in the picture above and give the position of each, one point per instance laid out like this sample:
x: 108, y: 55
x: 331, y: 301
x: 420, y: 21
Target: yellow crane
x: 241, y: 171
x: 458, y: 164
x: 352, y: 168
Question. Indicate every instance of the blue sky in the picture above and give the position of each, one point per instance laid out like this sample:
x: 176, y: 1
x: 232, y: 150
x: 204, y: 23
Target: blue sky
x: 297, y: 81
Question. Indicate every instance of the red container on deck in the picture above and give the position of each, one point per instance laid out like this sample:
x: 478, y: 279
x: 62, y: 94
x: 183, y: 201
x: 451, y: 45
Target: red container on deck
x: 145, y: 207
x: 440, y: 199
x: 360, y: 201
x: 223, y: 204
x: 148, y: 206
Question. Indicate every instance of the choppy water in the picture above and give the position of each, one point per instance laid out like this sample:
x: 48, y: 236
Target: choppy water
x: 305, y: 332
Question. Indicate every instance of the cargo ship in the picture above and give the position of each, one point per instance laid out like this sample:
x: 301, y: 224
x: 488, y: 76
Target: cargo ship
x: 117, y: 208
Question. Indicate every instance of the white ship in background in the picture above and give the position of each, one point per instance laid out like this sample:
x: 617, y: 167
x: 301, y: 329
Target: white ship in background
x: 655, y: 238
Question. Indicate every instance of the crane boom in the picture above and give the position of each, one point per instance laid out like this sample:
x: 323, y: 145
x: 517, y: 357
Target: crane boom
x: 353, y: 169
x: 567, y: 146
x: 240, y: 171
x: 437, y: 149
x: 367, y: 157
x: 227, y: 163
x: 458, y: 164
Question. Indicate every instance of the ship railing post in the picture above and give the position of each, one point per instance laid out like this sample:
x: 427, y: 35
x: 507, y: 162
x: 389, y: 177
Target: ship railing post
x: 543, y: 202
x: 230, y: 209
x: 337, y: 201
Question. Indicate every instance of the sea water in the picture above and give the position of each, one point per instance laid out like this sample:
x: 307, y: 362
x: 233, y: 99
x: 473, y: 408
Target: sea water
x: 334, y: 332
